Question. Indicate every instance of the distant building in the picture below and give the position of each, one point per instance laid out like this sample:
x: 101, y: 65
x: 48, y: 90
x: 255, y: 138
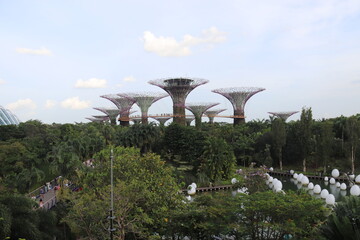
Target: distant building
x: 7, y: 118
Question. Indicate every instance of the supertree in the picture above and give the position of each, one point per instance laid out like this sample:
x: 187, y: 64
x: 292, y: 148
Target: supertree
x: 238, y: 98
x: 178, y: 89
x: 211, y: 114
x: 144, y: 101
x: 135, y: 119
x: 123, y: 104
x: 283, y: 115
x: 188, y: 120
x: 98, y: 120
x: 162, y: 118
x: 112, y: 113
x: 198, y: 110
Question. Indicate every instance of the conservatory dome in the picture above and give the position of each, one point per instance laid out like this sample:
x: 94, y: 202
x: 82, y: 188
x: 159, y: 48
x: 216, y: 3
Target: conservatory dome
x: 7, y: 118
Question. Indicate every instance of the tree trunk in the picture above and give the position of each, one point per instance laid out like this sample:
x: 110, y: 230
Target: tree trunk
x: 280, y: 159
x: 304, y: 165
x: 352, y: 160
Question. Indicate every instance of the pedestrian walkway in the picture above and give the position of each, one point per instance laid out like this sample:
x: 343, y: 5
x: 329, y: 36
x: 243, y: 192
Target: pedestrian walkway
x: 49, y: 199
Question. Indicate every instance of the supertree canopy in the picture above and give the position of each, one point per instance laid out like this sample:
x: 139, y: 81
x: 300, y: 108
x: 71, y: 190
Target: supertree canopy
x: 112, y: 113
x: 283, y: 115
x: 178, y: 89
x: 162, y: 118
x: 198, y: 110
x: 238, y: 98
x: 144, y: 101
x: 94, y: 119
x: 211, y: 114
x: 188, y: 120
x: 123, y: 104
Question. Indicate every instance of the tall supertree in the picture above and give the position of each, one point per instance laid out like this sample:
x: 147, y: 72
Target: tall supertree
x: 98, y: 120
x: 198, y: 110
x: 283, y: 115
x: 123, y: 104
x: 178, y: 89
x: 211, y: 114
x: 144, y: 101
x: 238, y: 98
x: 162, y: 118
x: 135, y: 119
x: 112, y: 113
x: 188, y: 120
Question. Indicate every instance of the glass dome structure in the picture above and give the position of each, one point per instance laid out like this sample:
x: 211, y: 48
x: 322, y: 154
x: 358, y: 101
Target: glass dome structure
x: 7, y: 118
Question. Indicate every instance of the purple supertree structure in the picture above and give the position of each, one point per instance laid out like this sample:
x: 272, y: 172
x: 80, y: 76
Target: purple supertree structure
x: 112, y: 113
x: 283, y: 115
x: 178, y: 89
x: 188, y: 120
x: 238, y: 98
x: 198, y: 110
x: 162, y: 118
x: 123, y: 104
x: 211, y: 114
x: 144, y: 101
x: 98, y: 120
x: 135, y: 119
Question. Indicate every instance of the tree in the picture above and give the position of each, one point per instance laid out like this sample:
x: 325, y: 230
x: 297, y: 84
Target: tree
x: 278, y: 133
x: 145, y: 193
x: 344, y: 222
x: 269, y: 215
x: 352, y: 128
x: 305, y: 134
x: 218, y: 159
x: 325, y: 142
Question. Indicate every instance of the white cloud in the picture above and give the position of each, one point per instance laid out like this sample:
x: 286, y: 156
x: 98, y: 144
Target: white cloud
x: 91, y: 83
x: 50, y: 104
x: 75, y: 103
x: 2, y: 81
x: 41, y: 51
x: 22, y: 104
x: 169, y: 46
x: 129, y: 79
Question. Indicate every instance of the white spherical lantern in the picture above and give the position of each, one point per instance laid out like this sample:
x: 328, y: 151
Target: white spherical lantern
x: 352, y: 176
x: 343, y: 186
x: 332, y: 181
x: 305, y: 181
x: 188, y: 198
x: 338, y: 184
x: 335, y: 173
x: 317, y: 189
x: 326, y: 179
x: 311, y: 186
x: 194, y: 185
x: 292, y: 172
x: 355, y: 190
x: 234, y: 180
x: 278, y: 185
x: 295, y: 175
x: 300, y: 176
x: 330, y: 199
x: 324, y: 193
x: 191, y: 190
x: 357, y: 179
x: 271, y: 169
x: 271, y: 179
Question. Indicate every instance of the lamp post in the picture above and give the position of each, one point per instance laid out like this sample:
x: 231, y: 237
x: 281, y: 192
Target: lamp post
x: 111, y: 217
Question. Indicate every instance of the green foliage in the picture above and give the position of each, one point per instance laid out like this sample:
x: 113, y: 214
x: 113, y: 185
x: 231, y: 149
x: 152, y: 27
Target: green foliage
x: 218, y: 160
x: 278, y: 136
x: 268, y: 215
x: 207, y: 216
x: 144, y: 193
x: 344, y: 222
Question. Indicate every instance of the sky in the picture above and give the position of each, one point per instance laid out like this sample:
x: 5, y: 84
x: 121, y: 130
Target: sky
x: 58, y: 57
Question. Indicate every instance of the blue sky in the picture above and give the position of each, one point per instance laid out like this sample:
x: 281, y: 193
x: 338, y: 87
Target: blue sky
x: 58, y: 57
